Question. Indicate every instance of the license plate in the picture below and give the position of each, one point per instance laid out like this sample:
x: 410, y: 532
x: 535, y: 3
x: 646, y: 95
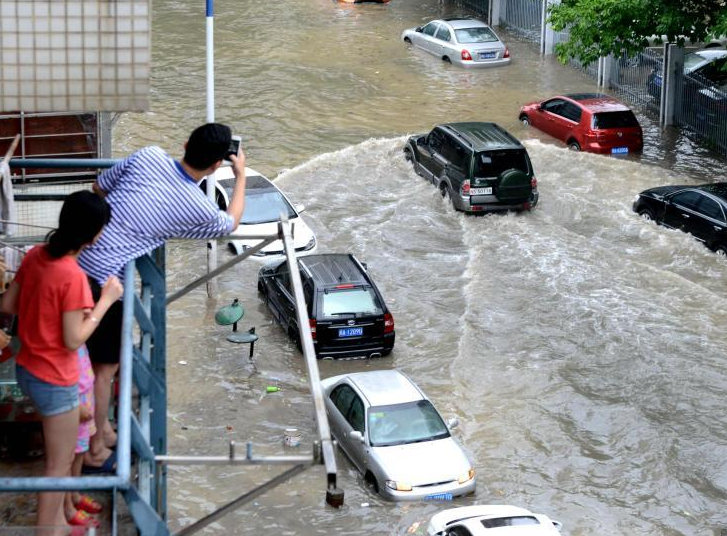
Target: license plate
x: 439, y: 497
x: 619, y: 150
x: 487, y: 55
x: 480, y: 191
x: 350, y: 332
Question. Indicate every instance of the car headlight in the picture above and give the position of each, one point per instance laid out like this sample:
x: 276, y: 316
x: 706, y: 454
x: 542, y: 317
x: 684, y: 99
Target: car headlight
x: 636, y: 198
x: 398, y: 486
x: 469, y: 475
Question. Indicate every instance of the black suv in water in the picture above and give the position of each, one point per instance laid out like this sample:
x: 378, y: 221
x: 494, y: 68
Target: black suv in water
x: 348, y: 316
x: 479, y: 166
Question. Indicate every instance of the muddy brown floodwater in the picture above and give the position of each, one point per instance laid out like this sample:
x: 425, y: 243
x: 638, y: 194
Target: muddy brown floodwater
x: 582, y: 349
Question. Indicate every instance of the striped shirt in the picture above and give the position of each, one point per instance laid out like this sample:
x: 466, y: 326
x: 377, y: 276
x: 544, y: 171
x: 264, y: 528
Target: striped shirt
x: 152, y: 199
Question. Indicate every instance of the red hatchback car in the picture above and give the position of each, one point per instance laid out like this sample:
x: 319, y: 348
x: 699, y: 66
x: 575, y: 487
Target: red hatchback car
x: 591, y: 122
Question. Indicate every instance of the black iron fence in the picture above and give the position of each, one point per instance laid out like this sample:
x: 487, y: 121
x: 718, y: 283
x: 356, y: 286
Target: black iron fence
x: 523, y: 17
x: 636, y: 78
x: 703, y: 111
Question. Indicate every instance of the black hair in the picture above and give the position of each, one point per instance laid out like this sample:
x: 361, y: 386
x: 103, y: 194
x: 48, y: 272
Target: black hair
x: 83, y: 215
x: 207, y: 144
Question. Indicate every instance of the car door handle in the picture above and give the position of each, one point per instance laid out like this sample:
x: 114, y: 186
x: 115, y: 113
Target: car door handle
x: 685, y: 216
x: 440, y: 159
x: 717, y: 228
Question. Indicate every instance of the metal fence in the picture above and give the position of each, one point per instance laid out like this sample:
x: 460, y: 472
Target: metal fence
x: 632, y: 77
x: 480, y: 6
x: 703, y: 111
x: 523, y: 17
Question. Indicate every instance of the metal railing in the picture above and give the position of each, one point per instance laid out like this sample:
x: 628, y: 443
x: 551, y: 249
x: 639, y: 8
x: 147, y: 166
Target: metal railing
x: 142, y: 429
x: 703, y: 110
x: 523, y: 17
x: 632, y: 77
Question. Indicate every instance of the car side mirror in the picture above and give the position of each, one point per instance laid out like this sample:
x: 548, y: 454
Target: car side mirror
x: 355, y: 435
x: 418, y: 29
x: 421, y: 142
x: 365, y: 266
x: 452, y: 423
x: 557, y: 524
x: 299, y: 208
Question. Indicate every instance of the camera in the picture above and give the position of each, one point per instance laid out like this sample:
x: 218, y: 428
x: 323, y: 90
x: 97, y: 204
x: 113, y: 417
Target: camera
x: 234, y: 147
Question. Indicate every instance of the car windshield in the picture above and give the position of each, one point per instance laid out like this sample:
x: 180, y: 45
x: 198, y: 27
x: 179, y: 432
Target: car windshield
x: 492, y: 163
x: 622, y: 119
x: 475, y: 35
x: 398, y: 424
x: 263, y: 206
x: 356, y: 300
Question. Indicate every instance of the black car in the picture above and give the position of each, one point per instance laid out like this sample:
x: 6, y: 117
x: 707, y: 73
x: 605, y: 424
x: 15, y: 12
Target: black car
x: 701, y: 67
x: 480, y: 167
x: 348, y: 316
x: 699, y: 210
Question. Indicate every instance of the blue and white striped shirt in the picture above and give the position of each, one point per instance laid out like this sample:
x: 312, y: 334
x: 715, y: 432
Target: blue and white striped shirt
x: 152, y: 199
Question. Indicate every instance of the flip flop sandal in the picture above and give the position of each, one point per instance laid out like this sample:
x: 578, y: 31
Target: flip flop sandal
x: 87, y: 504
x: 83, y: 519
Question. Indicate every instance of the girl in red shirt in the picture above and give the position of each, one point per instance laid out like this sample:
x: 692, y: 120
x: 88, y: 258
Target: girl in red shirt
x: 56, y: 314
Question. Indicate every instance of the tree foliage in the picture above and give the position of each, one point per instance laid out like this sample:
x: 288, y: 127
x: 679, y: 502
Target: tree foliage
x: 602, y: 27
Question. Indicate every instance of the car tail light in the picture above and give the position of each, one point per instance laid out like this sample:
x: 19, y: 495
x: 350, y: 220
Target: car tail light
x: 465, y: 189
x: 388, y: 323
x: 347, y: 285
x: 466, y: 55
x: 534, y: 183
x: 312, y: 328
x: 527, y: 205
x: 506, y: 54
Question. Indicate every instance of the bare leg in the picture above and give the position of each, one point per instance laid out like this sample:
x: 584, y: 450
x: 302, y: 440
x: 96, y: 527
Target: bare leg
x: 72, y: 497
x: 98, y: 451
x: 60, y: 432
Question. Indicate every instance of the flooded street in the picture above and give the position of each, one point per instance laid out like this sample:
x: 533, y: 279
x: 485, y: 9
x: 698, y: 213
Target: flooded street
x: 581, y: 348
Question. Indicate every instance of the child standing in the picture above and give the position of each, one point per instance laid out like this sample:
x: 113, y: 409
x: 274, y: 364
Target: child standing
x: 78, y: 506
x: 56, y: 314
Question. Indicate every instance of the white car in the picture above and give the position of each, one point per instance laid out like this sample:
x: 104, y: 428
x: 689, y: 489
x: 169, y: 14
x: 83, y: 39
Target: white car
x: 393, y: 434
x: 264, y: 204
x: 491, y: 520
x: 463, y: 42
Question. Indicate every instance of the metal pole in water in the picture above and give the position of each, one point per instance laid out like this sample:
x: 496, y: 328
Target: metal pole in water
x: 211, y: 182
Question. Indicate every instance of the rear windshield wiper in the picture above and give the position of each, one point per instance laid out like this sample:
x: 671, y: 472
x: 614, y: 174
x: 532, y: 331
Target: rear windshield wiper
x: 344, y: 313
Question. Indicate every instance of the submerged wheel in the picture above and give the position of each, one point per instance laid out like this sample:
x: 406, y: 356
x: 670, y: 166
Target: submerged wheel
x: 525, y: 120
x: 721, y: 250
x: 371, y: 481
x: 646, y: 214
x: 407, y: 41
x: 447, y: 196
x: 446, y: 59
x: 573, y: 145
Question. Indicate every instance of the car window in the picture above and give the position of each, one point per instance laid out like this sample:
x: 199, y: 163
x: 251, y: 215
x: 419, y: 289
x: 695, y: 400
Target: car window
x: 714, y: 71
x: 354, y: 300
x: 282, y: 275
x: 553, y: 106
x: 399, y: 424
x: 710, y: 207
x: 263, y: 206
x: 443, y: 34
x: 435, y: 140
x: 571, y: 111
x: 622, y: 119
x: 515, y: 521
x: 355, y: 415
x: 458, y: 531
x: 430, y: 29
x: 492, y: 163
x: 342, y: 396
x: 475, y: 35
x: 689, y: 199
x: 455, y: 153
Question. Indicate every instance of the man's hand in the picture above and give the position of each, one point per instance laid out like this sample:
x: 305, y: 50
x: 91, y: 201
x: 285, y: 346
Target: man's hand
x: 237, y: 203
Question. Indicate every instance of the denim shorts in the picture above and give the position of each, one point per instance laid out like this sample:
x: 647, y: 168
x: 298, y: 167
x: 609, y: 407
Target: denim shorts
x: 49, y: 399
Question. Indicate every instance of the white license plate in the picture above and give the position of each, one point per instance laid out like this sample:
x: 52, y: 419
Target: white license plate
x: 487, y: 55
x: 619, y: 150
x: 480, y: 191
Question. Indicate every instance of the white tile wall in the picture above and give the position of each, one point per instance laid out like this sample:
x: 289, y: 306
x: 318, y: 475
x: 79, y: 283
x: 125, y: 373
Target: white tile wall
x: 74, y: 55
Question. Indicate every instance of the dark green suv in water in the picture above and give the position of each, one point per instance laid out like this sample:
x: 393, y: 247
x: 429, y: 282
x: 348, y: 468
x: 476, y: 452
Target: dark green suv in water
x: 480, y: 167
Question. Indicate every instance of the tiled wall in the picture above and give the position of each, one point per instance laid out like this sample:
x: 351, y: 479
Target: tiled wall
x: 74, y: 55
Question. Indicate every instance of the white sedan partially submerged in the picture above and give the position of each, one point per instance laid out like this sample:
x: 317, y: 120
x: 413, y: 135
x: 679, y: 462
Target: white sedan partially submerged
x: 490, y: 519
x: 393, y: 434
x: 264, y: 205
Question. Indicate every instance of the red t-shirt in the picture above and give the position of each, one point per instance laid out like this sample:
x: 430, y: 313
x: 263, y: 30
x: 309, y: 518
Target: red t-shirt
x: 48, y: 288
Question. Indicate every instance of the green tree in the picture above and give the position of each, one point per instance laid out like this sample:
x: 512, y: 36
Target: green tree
x: 602, y: 27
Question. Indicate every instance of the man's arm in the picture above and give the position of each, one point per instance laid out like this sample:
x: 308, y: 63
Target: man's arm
x: 98, y: 190
x: 237, y: 203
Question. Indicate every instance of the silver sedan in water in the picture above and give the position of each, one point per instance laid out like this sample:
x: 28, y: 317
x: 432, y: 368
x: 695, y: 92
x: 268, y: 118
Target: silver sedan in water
x: 393, y: 434
x: 464, y: 42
